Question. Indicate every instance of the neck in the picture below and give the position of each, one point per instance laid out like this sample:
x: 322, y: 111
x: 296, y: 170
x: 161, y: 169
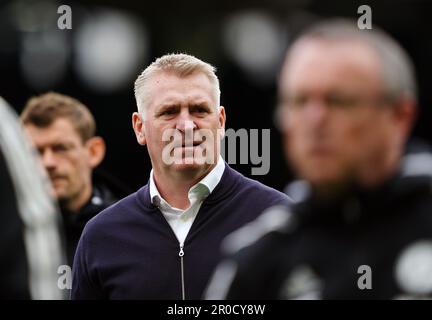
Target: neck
x: 369, y: 178
x: 174, y: 188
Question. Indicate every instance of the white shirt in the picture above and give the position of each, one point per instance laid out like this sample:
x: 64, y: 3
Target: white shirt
x: 181, y: 220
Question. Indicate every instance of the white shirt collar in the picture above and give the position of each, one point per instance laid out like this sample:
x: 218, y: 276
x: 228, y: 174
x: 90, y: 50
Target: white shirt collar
x: 210, y: 182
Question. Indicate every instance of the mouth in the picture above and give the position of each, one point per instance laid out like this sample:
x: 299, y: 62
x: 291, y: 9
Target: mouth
x: 189, y: 145
x: 57, y: 178
x: 320, y: 150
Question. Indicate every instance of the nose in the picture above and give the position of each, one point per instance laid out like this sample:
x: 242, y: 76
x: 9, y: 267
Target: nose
x: 185, y: 122
x: 316, y: 112
x: 48, y: 159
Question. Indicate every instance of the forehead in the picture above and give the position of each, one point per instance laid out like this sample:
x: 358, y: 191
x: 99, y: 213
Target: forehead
x: 330, y: 64
x: 60, y: 131
x: 167, y: 87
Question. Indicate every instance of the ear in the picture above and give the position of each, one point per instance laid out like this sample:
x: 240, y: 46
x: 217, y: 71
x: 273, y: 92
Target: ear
x: 96, y: 150
x: 138, y: 126
x: 405, y: 113
x: 222, y: 119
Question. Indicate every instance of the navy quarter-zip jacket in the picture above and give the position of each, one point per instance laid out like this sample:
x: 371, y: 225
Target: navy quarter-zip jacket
x: 129, y: 251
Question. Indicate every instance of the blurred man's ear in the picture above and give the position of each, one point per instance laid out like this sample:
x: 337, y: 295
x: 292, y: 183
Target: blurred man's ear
x: 406, y: 114
x: 138, y: 127
x: 96, y: 149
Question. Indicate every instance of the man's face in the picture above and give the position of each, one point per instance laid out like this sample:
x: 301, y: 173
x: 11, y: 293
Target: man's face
x: 64, y: 156
x: 336, y: 124
x: 187, y: 107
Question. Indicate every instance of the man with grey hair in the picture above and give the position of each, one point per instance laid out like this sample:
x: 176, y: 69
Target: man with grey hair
x: 361, y: 226
x: 162, y: 242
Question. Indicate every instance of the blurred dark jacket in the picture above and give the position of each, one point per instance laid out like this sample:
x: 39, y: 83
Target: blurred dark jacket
x: 106, y: 191
x: 366, y: 244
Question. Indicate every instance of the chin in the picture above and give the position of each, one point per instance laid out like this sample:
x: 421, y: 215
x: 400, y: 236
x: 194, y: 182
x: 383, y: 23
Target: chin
x: 321, y: 174
x: 328, y: 178
x: 191, y: 167
x: 59, y: 194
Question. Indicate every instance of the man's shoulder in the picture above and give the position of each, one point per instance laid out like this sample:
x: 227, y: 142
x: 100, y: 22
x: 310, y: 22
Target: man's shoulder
x: 253, y: 189
x: 122, y: 211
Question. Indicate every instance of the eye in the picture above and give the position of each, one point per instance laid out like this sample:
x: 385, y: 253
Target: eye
x: 167, y: 111
x: 200, y: 109
x: 60, y: 148
x: 295, y: 101
x: 341, y: 101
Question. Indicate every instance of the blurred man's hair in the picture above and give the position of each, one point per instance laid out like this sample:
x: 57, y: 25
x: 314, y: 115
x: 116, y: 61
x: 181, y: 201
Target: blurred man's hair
x: 397, y: 69
x: 181, y: 65
x: 41, y: 111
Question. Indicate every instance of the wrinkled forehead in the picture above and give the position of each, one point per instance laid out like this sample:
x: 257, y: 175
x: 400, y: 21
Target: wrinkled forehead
x: 168, y: 86
x: 326, y: 61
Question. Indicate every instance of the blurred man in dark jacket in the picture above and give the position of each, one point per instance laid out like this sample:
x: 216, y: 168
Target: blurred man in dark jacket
x: 63, y: 131
x: 362, y: 224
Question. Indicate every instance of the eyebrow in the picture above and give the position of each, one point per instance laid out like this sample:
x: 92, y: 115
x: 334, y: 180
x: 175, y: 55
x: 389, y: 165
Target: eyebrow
x: 198, y: 102
x: 166, y: 107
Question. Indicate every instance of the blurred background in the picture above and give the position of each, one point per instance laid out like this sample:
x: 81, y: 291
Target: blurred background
x: 111, y: 42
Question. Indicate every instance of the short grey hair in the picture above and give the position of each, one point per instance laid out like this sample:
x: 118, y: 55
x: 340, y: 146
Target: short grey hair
x: 181, y: 65
x: 397, y: 69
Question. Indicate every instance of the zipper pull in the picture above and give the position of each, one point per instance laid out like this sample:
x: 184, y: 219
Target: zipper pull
x: 181, y: 252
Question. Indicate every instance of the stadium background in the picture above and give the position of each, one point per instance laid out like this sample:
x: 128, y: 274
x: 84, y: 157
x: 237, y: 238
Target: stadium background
x: 110, y: 42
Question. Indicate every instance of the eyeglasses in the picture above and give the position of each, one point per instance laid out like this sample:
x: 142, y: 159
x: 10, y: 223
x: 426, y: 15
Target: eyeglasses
x: 341, y: 103
x: 336, y: 101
